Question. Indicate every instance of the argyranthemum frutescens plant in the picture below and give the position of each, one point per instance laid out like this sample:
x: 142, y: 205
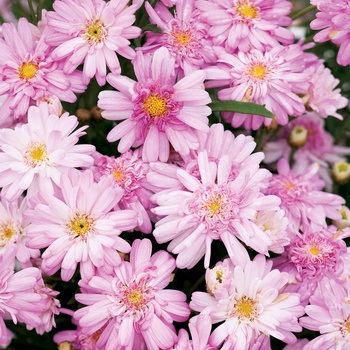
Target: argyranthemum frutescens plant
x: 174, y: 175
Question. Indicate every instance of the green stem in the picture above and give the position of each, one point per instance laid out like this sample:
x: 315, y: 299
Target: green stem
x: 32, y: 11
x: 303, y: 12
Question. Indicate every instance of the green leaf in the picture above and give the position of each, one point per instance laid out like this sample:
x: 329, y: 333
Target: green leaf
x: 241, y: 107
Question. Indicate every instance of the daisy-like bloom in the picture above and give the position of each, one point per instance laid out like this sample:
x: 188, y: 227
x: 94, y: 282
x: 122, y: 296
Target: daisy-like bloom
x: 19, y: 300
x: 329, y: 313
x: 92, y: 32
x: 34, y: 155
x: 13, y: 231
x: 210, y: 208
x: 131, y: 306
x: 77, y: 225
x: 183, y: 34
x: 158, y: 111
x: 323, y: 97
x: 312, y: 256
x: 28, y: 71
x: 301, y: 197
x: 273, y: 79
x: 245, y: 24
x: 333, y: 18
x: 129, y: 173
x: 253, y: 305
x: 310, y: 142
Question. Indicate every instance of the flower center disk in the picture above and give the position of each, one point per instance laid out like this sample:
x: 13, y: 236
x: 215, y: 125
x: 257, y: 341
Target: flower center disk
x: 155, y: 106
x: 28, y: 70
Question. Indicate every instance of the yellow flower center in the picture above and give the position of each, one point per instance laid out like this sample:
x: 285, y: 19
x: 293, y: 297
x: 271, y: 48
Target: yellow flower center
x: 288, y: 185
x: 6, y: 233
x: 258, y: 71
x: 27, y: 70
x: 314, y: 250
x: 348, y: 326
x: 135, y: 298
x: 36, y: 154
x: 155, y: 106
x: 118, y: 175
x: 245, y: 308
x: 183, y: 38
x: 247, y: 11
x: 95, y: 31
x: 219, y: 275
x: 215, y: 206
x: 80, y: 225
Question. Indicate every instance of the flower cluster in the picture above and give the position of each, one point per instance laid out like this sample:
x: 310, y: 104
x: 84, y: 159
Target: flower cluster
x: 173, y: 175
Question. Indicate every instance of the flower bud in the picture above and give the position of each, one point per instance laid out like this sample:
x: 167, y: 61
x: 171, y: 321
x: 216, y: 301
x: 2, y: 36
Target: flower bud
x: 345, y: 218
x: 65, y: 345
x: 298, y: 136
x: 341, y: 172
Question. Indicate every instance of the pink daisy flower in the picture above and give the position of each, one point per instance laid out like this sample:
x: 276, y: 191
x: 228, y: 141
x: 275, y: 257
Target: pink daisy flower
x: 158, y: 111
x: 78, y: 226
x: 210, y: 208
x: 183, y: 34
x: 34, y: 155
x: 13, y: 229
x: 273, y: 79
x: 253, y: 305
x: 301, y: 197
x: 333, y: 20
x: 329, y: 313
x: 133, y: 303
x: 129, y: 173
x: 28, y: 71
x: 92, y: 32
x: 245, y: 24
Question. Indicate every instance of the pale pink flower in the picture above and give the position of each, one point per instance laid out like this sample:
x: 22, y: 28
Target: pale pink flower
x: 316, y: 146
x: 129, y: 173
x: 183, y: 34
x: 333, y: 20
x: 91, y: 32
x: 329, y: 313
x: 78, y: 226
x: 322, y: 96
x: 18, y: 298
x: 158, y: 110
x: 273, y: 79
x: 28, y: 71
x: 311, y: 257
x: 133, y: 301
x: 209, y: 208
x: 245, y: 24
x: 252, y: 306
x: 34, y: 155
x: 301, y: 197
x: 13, y: 229
x: 299, y: 345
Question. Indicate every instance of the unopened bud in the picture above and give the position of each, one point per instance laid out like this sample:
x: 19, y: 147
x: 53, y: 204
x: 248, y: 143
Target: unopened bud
x: 341, y: 172
x: 345, y: 218
x: 65, y: 345
x: 96, y: 112
x: 83, y: 114
x: 298, y: 136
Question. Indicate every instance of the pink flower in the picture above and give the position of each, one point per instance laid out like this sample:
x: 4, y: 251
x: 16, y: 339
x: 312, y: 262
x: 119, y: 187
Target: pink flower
x: 310, y: 142
x: 245, y: 24
x: 134, y: 303
x: 301, y: 197
x: 28, y: 71
x: 329, y: 313
x: 34, y: 155
x: 92, y: 32
x: 322, y: 96
x: 13, y: 229
x: 129, y: 173
x: 333, y: 20
x: 77, y: 225
x: 273, y: 79
x: 158, y: 111
x: 250, y: 306
x: 183, y: 34
x: 209, y: 208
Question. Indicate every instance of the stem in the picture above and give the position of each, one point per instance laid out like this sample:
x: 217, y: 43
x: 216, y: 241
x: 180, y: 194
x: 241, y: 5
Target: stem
x: 303, y: 12
x: 32, y: 11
